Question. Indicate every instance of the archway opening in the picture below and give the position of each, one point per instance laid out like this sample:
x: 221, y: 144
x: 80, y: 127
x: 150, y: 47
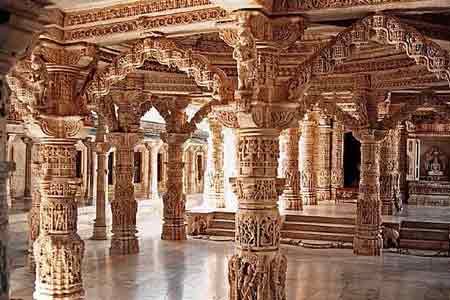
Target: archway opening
x: 352, y: 160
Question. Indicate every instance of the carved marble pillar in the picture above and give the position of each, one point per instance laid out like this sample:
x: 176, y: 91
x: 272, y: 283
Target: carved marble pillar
x: 291, y: 193
x: 337, y: 158
x: 323, y: 162
x: 58, y: 250
x: 258, y: 268
x: 124, y: 205
x: 33, y: 214
x: 216, y: 192
x: 148, y: 176
x: 102, y: 149
x: 367, y: 240
x: 402, y: 159
x: 386, y: 179
x: 5, y: 168
x: 307, y: 180
x: 28, y: 162
x: 174, y: 200
x: 89, y: 194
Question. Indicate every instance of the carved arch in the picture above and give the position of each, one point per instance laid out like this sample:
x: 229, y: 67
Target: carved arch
x: 388, y: 30
x: 167, y: 53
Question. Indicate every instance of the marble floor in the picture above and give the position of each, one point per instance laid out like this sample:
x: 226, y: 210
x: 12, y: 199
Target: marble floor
x: 197, y: 269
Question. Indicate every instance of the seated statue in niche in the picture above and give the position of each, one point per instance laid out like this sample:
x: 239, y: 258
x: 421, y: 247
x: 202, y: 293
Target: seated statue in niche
x: 435, y: 162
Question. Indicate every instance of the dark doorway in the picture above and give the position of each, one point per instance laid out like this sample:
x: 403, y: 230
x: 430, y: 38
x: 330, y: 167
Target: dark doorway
x: 110, y: 168
x: 137, y: 167
x: 352, y: 160
x: 78, y: 158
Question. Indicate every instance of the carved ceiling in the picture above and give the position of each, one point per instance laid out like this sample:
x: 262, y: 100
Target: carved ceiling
x: 115, y: 26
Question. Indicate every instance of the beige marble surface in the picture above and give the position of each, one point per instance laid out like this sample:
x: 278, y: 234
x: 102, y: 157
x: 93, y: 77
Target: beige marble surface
x: 196, y: 269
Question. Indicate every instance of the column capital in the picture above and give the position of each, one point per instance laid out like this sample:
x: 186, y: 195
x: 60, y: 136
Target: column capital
x: 369, y: 135
x: 125, y: 139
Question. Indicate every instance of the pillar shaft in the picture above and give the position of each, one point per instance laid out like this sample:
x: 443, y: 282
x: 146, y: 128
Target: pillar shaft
x: 216, y: 191
x: 307, y: 180
x: 337, y: 159
x: 291, y: 193
x: 28, y: 162
x: 58, y: 250
x: 99, y: 232
x: 402, y: 159
x: 258, y: 268
x: 386, y: 175
x: 5, y: 168
x: 174, y: 200
x: 33, y: 214
x: 124, y: 205
x: 367, y: 239
x: 323, y: 162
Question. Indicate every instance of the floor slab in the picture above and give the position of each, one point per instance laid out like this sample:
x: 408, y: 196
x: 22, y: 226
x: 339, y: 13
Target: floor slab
x: 197, y: 269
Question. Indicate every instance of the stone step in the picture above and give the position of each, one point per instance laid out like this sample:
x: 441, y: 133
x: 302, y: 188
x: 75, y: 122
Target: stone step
x: 425, y: 225
x: 224, y: 215
x: 317, y: 236
x: 423, y: 234
x: 220, y: 232
x: 222, y: 224
x: 319, y: 227
x: 319, y: 219
x: 424, y: 245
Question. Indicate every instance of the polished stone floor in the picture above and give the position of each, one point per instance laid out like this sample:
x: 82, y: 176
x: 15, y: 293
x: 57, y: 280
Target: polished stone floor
x: 196, y: 269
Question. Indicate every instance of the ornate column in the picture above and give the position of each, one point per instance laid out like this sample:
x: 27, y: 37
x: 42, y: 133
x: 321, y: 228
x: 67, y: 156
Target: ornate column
x: 89, y: 195
x: 148, y: 183
x: 216, y: 192
x: 28, y: 165
x: 258, y: 269
x: 102, y: 149
x: 386, y: 183
x: 174, y: 200
x: 291, y: 193
x: 33, y: 214
x: 337, y: 158
x: 124, y: 205
x: 368, y: 239
x: 307, y: 174
x: 49, y: 85
x: 402, y: 159
x: 5, y: 168
x: 323, y: 162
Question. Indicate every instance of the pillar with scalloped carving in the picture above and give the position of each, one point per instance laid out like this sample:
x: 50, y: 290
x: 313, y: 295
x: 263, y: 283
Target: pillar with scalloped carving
x: 386, y: 175
x: 401, y: 159
x: 216, y: 190
x: 124, y: 205
x: 323, y: 162
x: 291, y: 193
x: 367, y: 240
x: 307, y: 174
x: 337, y: 158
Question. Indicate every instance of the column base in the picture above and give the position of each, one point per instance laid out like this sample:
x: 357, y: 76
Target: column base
x: 58, y: 267
x: 365, y: 246
x: 309, y: 199
x: 262, y: 275
x: 292, y: 201
x: 99, y: 233
x: 124, y: 245
x: 387, y: 208
x: 323, y: 195
x: 174, y: 232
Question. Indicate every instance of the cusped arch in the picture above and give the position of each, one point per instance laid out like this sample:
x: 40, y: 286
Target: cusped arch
x: 387, y: 30
x: 166, y: 52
